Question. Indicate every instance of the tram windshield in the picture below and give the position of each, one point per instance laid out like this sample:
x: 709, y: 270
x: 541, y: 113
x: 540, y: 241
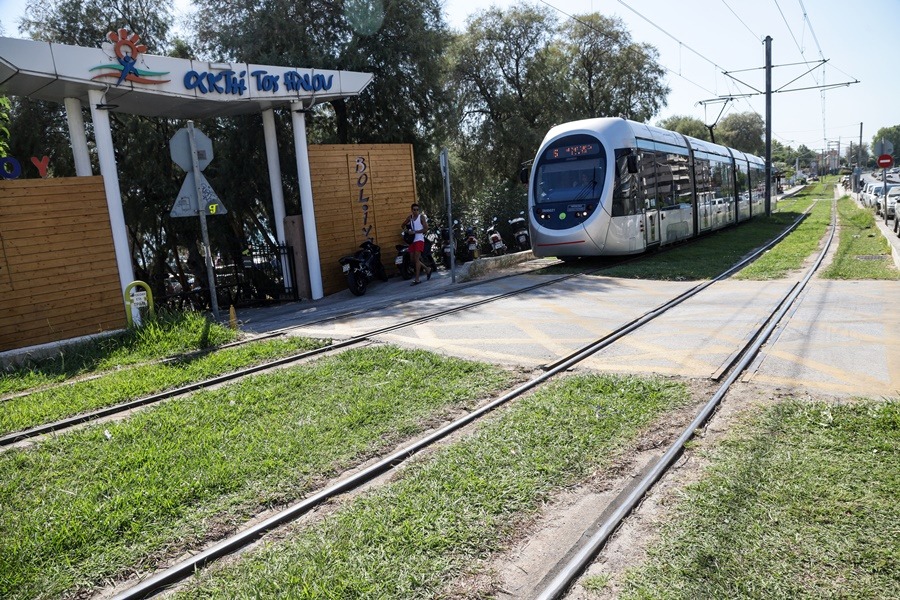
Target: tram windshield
x: 573, y: 170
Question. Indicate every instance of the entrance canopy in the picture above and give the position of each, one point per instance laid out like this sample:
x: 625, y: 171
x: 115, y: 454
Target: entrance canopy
x: 159, y: 86
x: 120, y: 76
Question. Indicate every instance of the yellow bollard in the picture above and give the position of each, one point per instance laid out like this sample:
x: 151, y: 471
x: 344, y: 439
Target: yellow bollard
x: 232, y: 318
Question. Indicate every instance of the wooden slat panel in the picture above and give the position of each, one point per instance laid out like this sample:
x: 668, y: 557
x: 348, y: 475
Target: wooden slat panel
x: 62, y: 278
x: 391, y: 188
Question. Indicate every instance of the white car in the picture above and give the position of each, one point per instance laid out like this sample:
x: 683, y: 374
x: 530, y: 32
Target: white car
x: 878, y: 196
x: 865, y: 197
x: 891, y: 204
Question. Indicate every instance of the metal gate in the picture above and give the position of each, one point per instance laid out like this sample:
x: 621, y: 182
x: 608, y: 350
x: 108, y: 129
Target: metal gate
x: 266, y: 274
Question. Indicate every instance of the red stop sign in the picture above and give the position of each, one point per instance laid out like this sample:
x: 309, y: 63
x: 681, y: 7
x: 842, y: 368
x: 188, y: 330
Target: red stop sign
x: 885, y: 161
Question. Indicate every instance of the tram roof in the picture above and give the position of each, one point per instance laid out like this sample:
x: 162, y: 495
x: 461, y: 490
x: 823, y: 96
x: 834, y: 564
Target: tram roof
x: 170, y: 87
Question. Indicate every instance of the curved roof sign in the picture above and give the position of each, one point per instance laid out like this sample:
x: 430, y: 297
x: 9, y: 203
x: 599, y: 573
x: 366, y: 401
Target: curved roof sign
x: 160, y: 86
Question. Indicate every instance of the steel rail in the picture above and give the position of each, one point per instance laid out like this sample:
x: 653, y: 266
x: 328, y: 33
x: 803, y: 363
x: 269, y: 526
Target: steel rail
x: 63, y: 424
x: 630, y: 326
x: 179, y: 571
x: 567, y: 575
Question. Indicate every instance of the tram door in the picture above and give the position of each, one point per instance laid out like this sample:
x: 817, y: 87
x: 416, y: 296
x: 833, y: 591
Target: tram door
x: 649, y: 192
x: 651, y: 225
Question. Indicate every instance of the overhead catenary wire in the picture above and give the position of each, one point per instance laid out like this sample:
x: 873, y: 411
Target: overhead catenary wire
x: 731, y: 95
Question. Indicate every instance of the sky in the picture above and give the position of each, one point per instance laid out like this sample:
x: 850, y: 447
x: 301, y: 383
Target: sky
x: 698, y: 40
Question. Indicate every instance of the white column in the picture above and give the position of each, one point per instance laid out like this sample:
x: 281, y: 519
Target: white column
x: 298, y: 119
x: 78, y: 138
x: 268, y: 117
x: 106, y: 153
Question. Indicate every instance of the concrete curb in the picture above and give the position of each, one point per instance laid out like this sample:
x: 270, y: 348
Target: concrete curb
x: 485, y: 264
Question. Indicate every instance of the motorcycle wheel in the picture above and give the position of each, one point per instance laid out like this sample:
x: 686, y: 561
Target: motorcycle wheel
x: 406, y: 270
x: 356, y: 283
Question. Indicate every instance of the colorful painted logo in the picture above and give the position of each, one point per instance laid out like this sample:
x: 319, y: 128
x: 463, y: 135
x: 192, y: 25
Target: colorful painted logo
x: 127, y: 49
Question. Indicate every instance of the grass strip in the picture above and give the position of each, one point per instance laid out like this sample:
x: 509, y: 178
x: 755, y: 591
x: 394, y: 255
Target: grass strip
x: 99, y: 503
x: 863, y: 253
x: 803, y: 505
x: 703, y: 258
x: 410, y: 538
x: 710, y: 255
x: 167, y: 335
x: 791, y: 252
x: 115, y: 387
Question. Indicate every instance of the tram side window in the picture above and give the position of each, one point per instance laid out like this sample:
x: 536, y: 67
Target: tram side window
x: 722, y: 182
x: 758, y: 181
x: 703, y: 177
x: 648, y: 185
x: 727, y: 170
x: 673, y: 181
x: 624, y: 200
x: 743, y: 181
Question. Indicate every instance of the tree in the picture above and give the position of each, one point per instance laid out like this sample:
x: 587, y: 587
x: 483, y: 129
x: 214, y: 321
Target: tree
x: 517, y: 73
x: 400, y: 41
x: 889, y: 134
x: 4, y: 122
x: 86, y: 22
x: 610, y: 75
x: 744, y: 132
x: 686, y: 125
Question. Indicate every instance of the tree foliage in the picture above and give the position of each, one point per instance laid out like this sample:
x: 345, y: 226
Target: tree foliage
x: 690, y: 126
x: 743, y: 131
x: 889, y: 134
x: 517, y: 73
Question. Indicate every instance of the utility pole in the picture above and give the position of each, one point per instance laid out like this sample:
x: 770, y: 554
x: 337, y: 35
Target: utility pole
x: 768, y: 125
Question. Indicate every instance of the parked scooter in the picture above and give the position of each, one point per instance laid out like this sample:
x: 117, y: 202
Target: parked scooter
x: 471, y: 245
x: 362, y: 267
x: 405, y: 266
x: 449, y: 244
x: 495, y: 239
x: 520, y: 232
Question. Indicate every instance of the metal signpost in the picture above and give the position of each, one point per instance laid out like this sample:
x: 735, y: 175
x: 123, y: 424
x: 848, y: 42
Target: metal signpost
x: 884, y: 149
x: 445, y: 171
x: 191, y: 150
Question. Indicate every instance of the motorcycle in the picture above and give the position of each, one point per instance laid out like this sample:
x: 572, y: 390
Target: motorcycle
x: 449, y: 246
x: 495, y: 240
x: 403, y: 260
x: 362, y: 267
x: 471, y: 245
x: 520, y: 232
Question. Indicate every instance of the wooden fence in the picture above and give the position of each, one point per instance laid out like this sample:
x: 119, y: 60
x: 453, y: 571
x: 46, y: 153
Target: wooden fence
x: 359, y: 191
x: 58, y: 273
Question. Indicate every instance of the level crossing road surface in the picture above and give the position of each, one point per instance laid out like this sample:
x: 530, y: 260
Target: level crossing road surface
x: 843, y: 338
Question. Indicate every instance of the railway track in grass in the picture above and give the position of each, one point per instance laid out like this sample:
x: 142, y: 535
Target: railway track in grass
x: 12, y: 438
x: 178, y: 572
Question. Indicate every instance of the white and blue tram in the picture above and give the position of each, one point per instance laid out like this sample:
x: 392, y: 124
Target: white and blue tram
x: 613, y: 187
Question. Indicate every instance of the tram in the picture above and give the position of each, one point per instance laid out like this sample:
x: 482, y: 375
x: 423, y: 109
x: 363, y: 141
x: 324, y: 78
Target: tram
x: 610, y: 186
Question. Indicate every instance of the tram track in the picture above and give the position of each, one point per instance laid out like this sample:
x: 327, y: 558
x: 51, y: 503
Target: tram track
x: 225, y: 547
x: 61, y: 425
x: 567, y: 573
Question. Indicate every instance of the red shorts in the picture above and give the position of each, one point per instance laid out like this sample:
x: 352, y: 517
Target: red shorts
x: 417, y: 246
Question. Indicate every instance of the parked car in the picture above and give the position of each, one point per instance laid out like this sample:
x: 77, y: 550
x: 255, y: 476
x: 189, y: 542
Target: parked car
x: 865, y: 196
x: 878, y: 196
x: 891, y: 203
